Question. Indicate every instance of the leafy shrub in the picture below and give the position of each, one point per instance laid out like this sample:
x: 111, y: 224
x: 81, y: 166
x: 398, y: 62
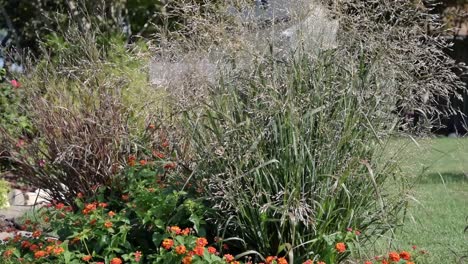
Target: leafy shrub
x: 12, y: 116
x: 84, y: 104
x: 292, y: 154
x: 124, y: 221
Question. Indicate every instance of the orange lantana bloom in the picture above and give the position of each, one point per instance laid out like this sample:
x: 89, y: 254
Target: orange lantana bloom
x: 40, y: 254
x: 180, y: 250
x: 281, y: 261
x: 393, y: 256
x: 116, y: 261
x: 167, y: 243
x: 201, y: 241
x: 108, y: 224
x: 405, y: 255
x: 340, y: 247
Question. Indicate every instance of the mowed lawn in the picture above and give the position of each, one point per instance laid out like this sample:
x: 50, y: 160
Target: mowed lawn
x: 437, y: 216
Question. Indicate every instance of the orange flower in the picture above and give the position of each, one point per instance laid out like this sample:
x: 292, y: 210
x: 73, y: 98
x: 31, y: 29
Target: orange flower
x: 321, y: 262
x: 108, y: 224
x: 143, y: 162
x: 405, y: 255
x: 151, y: 126
x: 170, y: 166
x: 167, y: 243
x: 49, y: 249
x: 138, y: 256
x: 17, y: 237
x: 368, y: 262
x: 158, y: 154
x: 89, y: 208
x: 116, y: 261
x: 111, y: 214
x: 86, y: 258
x: 175, y: 229
x: 59, y: 206
x: 79, y: 195
x: 36, y: 234
x: 229, y: 257
x: 340, y: 247
x: 270, y: 259
x: 92, y: 222
x: 384, y: 261
x: 40, y: 254
x: 199, y: 250
x: 185, y: 232
x: 187, y: 260
x: 25, y: 244
x: 131, y: 160
x: 125, y: 197
x: 281, y: 261
x: 410, y: 262
x: 212, y: 250
x: 58, y: 250
x: 180, y: 250
x: 8, y: 253
x: 103, y: 205
x: 393, y: 256
x: 308, y: 262
x: 34, y: 248
x: 201, y: 241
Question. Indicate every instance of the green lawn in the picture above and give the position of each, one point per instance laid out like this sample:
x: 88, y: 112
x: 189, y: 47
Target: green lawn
x: 438, y: 215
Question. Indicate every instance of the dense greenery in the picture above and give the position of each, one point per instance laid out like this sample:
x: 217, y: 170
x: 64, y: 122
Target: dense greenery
x: 12, y: 113
x: 302, y: 143
x: 282, y: 159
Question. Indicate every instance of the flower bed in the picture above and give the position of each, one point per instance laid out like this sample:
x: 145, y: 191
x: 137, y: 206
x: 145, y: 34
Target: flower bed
x: 146, y: 220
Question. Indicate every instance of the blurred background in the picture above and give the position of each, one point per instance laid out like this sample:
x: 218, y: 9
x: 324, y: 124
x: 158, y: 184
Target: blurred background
x: 24, y: 24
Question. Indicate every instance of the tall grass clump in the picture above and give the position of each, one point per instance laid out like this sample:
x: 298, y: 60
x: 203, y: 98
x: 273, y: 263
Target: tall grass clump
x: 410, y: 40
x: 291, y: 149
x: 290, y: 154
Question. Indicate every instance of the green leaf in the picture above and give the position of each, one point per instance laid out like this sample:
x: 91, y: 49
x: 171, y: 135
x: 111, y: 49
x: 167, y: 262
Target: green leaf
x: 158, y: 238
x: 197, y: 224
